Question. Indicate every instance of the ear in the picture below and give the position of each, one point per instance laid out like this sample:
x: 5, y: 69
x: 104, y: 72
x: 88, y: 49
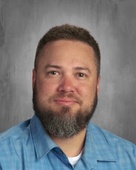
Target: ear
x: 98, y: 84
x: 33, y: 77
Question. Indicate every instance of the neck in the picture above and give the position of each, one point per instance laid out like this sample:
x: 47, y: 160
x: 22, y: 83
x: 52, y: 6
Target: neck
x: 72, y: 146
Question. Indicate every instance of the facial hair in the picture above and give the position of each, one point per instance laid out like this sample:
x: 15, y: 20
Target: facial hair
x: 63, y: 124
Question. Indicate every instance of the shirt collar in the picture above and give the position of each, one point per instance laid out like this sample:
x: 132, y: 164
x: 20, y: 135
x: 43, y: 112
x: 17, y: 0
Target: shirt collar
x: 96, y: 146
x: 42, y: 141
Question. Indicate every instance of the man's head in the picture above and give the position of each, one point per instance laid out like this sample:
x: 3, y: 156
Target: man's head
x: 68, y: 32
x: 66, y: 80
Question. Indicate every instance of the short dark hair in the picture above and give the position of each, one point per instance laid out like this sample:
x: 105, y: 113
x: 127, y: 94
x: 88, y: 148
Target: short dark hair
x: 68, y: 32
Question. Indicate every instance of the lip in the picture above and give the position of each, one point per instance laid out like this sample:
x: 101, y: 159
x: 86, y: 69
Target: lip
x: 65, y: 101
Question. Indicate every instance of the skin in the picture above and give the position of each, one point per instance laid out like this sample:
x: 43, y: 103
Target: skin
x: 67, y: 67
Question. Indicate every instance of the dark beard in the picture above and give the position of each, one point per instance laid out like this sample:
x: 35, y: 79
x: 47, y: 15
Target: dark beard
x: 62, y: 124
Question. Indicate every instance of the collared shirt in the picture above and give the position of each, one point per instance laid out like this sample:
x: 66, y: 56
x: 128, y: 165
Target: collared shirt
x: 29, y: 147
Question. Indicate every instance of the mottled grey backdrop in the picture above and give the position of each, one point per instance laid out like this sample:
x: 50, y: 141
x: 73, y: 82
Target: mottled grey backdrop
x: 113, y: 24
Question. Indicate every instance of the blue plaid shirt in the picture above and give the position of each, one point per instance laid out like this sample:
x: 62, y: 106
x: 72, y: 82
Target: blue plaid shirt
x: 28, y: 147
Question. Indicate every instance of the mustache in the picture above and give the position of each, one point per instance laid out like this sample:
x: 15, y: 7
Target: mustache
x: 68, y: 95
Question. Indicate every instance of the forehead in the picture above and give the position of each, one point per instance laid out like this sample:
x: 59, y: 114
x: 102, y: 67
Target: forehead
x: 68, y: 45
x: 67, y: 51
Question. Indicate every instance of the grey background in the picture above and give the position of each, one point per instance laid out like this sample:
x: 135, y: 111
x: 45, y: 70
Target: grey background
x: 111, y: 22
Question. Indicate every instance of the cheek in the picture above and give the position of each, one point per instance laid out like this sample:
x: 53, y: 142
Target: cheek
x: 45, y: 88
x: 87, y: 92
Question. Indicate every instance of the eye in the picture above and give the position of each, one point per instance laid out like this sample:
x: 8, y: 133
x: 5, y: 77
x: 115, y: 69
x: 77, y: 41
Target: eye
x: 81, y: 75
x: 53, y: 73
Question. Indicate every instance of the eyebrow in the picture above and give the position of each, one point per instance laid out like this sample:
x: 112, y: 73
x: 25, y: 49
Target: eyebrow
x: 75, y: 68
x: 83, y: 68
x: 52, y: 66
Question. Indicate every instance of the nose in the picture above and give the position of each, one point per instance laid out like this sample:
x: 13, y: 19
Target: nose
x: 66, y: 85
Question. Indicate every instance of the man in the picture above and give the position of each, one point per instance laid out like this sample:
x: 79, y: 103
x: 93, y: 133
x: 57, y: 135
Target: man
x: 66, y: 82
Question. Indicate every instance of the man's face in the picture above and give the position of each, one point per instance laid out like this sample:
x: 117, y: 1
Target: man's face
x: 65, y: 87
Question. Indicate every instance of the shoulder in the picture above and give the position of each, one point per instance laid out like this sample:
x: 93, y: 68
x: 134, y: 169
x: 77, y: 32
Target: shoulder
x: 108, y: 147
x: 108, y: 136
x: 13, y: 137
x: 107, y: 133
x: 14, y: 131
x: 14, y: 143
x: 116, y: 144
